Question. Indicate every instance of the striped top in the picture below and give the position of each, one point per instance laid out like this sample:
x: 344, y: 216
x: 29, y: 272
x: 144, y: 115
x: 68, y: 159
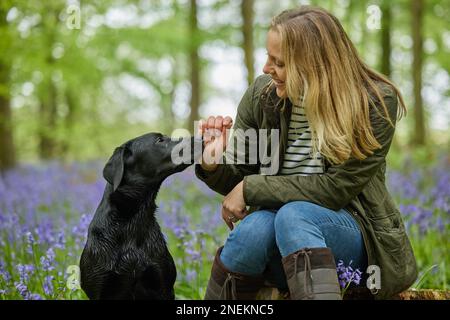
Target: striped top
x: 298, y: 159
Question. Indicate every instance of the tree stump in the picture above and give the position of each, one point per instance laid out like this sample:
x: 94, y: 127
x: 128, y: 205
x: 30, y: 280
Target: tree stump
x: 364, y: 294
x: 411, y: 294
x: 423, y: 294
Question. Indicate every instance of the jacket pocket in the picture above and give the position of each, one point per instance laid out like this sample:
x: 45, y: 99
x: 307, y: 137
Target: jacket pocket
x: 392, y: 243
x: 387, y: 223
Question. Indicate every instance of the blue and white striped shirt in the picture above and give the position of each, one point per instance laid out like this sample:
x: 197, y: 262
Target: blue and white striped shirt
x: 298, y: 158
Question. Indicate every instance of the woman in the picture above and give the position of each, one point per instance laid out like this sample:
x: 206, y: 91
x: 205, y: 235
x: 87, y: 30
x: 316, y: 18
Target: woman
x: 328, y: 200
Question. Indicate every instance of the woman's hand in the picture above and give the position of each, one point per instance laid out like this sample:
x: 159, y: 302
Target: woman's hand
x: 215, y: 137
x: 233, y: 206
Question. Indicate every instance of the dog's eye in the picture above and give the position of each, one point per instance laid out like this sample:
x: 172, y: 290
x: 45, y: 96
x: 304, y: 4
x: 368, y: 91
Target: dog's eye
x: 159, y: 139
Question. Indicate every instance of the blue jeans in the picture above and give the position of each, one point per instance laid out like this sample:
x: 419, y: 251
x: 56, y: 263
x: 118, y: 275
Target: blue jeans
x: 260, y: 240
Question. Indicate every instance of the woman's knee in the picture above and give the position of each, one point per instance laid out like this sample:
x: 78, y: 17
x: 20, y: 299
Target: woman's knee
x: 256, y: 230
x: 296, y: 212
x: 251, y: 244
x: 295, y: 228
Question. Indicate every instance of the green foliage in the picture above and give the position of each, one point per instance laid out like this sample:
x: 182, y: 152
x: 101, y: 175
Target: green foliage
x: 127, y: 69
x: 150, y: 42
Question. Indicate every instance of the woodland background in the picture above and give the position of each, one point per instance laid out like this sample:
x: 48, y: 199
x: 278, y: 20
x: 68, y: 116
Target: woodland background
x: 78, y: 78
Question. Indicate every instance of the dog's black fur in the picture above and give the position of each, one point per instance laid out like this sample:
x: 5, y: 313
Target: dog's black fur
x: 126, y: 256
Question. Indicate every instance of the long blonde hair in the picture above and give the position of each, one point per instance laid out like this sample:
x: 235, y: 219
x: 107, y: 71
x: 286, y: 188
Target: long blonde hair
x: 323, y: 68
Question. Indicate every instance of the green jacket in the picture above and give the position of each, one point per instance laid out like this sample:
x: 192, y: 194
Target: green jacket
x: 356, y: 185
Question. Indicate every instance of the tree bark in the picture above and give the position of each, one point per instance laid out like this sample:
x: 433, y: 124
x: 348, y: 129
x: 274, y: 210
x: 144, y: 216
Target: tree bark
x: 417, y: 7
x: 7, y: 149
x: 247, y: 44
x: 195, y: 66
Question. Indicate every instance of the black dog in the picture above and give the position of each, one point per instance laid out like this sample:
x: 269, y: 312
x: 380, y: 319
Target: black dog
x: 126, y: 256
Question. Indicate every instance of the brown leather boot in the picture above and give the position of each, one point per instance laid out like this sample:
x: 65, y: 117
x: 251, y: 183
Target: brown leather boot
x: 226, y: 285
x: 311, y: 274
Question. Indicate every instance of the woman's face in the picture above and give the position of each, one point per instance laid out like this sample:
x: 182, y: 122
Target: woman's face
x: 275, y: 64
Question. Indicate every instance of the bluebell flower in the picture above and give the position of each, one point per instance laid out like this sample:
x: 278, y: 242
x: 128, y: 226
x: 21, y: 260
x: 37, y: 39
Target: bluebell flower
x: 347, y: 276
x: 24, y: 271
x: 22, y: 288
x: 191, y: 275
x: 48, y: 285
x: 47, y: 261
x: 60, y: 240
x: 34, y: 296
x: 4, y: 274
x: 30, y: 241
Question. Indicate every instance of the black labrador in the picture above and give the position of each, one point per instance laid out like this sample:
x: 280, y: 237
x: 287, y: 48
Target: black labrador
x: 126, y: 256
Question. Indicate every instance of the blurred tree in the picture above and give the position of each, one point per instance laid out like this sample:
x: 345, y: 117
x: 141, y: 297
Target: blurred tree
x: 417, y: 9
x: 436, y: 29
x: 127, y: 70
x: 70, y: 119
x: 363, y: 26
x: 247, y: 10
x: 42, y: 60
x: 386, y: 22
x: 194, y: 61
x: 350, y: 12
x: 7, y: 150
x: 354, y: 21
x: 48, y: 105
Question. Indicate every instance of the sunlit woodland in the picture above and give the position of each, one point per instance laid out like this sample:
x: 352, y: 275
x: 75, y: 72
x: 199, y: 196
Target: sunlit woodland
x: 78, y: 78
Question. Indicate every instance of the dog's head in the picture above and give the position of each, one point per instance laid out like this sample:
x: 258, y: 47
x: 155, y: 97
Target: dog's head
x: 149, y: 159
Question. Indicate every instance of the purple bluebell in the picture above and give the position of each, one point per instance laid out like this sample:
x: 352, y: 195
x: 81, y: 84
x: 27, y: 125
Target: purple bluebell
x: 23, y: 290
x: 25, y: 270
x: 191, y: 275
x: 48, y: 285
x: 346, y: 275
x: 30, y: 242
x: 5, y: 276
x: 47, y: 261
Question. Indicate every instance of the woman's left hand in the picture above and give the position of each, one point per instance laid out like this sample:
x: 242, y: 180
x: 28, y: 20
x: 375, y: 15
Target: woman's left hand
x: 233, y: 206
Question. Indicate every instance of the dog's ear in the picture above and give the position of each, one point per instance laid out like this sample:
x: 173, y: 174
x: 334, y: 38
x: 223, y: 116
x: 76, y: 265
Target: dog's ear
x: 114, y: 168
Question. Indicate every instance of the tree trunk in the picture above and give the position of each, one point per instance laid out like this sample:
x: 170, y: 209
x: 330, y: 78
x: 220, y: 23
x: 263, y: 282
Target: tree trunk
x: 48, y: 103
x: 175, y: 80
x: 385, y: 64
x: 195, y: 66
x: 69, y: 121
x: 7, y: 150
x: 247, y: 44
x: 417, y: 7
x: 47, y: 113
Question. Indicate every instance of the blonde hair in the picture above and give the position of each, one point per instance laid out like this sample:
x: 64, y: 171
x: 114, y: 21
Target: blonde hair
x: 323, y: 68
